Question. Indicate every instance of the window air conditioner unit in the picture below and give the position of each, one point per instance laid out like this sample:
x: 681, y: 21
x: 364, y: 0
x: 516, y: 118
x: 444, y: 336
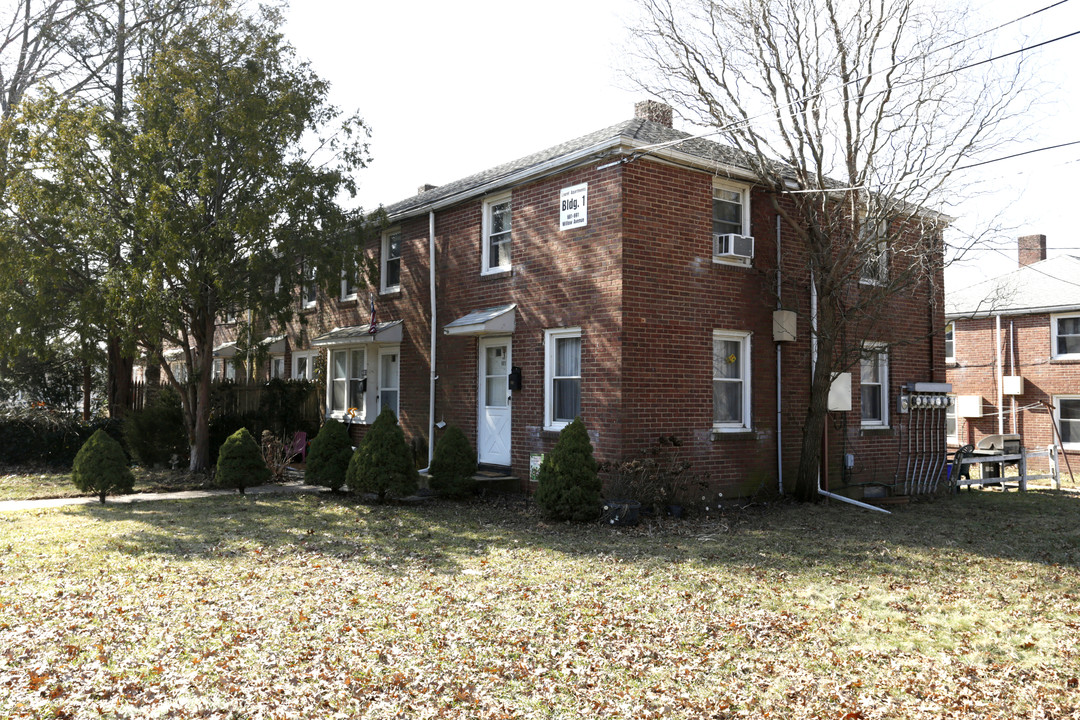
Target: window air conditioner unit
x: 731, y: 245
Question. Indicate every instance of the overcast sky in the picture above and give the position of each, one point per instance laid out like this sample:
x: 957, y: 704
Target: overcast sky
x: 450, y: 89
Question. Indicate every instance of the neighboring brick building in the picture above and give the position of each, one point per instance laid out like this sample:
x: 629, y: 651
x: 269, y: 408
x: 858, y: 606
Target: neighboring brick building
x: 1014, y: 352
x: 639, y: 295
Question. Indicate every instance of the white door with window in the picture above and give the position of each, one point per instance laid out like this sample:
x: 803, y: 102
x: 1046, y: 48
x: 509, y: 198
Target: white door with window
x: 389, y: 379
x: 493, y: 432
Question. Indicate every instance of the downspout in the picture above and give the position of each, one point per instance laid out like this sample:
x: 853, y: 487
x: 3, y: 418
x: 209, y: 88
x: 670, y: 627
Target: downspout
x: 1012, y: 371
x: 779, y: 381
x: 434, y: 338
x: 999, y: 371
x: 813, y: 367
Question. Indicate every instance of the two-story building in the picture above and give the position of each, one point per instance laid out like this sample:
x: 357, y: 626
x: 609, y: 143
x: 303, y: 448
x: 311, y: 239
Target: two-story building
x: 620, y: 278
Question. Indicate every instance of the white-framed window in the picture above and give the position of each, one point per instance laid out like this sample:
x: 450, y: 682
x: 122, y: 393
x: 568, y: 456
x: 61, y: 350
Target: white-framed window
x: 231, y: 317
x: 730, y: 216
x: 950, y: 342
x: 731, y: 380
x: 874, y: 385
x: 303, y: 365
x: 496, y: 234
x: 562, y: 377
x: 309, y: 291
x: 345, y: 396
x: 350, y: 287
x: 390, y: 262
x: 218, y: 369
x: 952, y: 434
x: 389, y: 378
x: 277, y: 366
x: 1067, y: 417
x: 875, y: 262
x: 1065, y: 336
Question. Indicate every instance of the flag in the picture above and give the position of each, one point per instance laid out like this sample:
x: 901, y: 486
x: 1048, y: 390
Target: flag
x: 372, y: 327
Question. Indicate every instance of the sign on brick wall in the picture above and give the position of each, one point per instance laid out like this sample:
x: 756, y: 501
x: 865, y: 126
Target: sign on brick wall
x: 574, y: 206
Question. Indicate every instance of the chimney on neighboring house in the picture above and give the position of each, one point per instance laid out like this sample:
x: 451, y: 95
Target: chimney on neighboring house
x: 425, y: 187
x: 658, y: 112
x: 1031, y: 249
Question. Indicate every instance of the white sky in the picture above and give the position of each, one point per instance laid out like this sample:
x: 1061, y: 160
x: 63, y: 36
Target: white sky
x: 452, y: 88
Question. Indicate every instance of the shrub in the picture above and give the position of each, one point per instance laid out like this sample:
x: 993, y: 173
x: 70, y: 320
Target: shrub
x: 276, y: 454
x: 329, y: 456
x: 240, y: 463
x: 568, y: 484
x: 453, y: 466
x: 156, y: 433
x: 101, y: 467
x: 383, y: 464
x: 39, y: 435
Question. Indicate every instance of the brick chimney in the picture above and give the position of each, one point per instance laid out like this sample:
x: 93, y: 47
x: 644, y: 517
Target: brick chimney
x: 652, y: 110
x: 1031, y: 249
x: 425, y: 187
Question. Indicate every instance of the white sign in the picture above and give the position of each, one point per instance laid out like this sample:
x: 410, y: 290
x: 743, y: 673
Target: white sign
x: 574, y: 206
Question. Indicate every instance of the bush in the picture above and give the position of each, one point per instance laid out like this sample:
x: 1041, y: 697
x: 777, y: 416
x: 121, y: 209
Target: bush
x: 329, y: 456
x: 38, y: 435
x: 454, y: 465
x: 568, y: 484
x: 101, y: 467
x: 240, y: 463
x: 383, y: 464
x: 156, y: 433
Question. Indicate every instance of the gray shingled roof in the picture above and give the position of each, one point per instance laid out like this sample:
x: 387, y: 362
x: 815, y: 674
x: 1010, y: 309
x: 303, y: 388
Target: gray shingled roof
x: 1051, y: 285
x: 644, y: 132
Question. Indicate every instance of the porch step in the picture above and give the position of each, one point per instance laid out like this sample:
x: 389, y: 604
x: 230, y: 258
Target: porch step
x: 494, y: 481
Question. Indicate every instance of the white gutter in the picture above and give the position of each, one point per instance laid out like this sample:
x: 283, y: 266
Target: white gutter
x: 999, y: 371
x: 434, y: 338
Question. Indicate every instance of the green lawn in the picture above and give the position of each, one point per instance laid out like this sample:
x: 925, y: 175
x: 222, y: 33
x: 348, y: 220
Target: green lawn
x: 25, y: 484
x: 316, y: 606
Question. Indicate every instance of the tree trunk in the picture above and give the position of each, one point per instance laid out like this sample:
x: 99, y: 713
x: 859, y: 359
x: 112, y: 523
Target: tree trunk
x: 203, y: 365
x: 87, y: 387
x: 120, y: 367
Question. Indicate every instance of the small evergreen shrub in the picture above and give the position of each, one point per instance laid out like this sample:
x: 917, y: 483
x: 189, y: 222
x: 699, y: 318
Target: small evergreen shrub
x: 383, y: 464
x: 454, y: 465
x: 329, y: 456
x: 240, y: 463
x: 101, y: 467
x: 156, y: 433
x: 568, y: 483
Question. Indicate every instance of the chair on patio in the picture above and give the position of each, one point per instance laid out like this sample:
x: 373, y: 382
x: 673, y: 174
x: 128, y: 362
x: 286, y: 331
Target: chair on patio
x: 958, y: 470
x: 299, y: 446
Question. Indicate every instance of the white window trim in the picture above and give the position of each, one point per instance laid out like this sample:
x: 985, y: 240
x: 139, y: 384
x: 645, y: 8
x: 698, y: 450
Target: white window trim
x: 744, y: 193
x: 950, y: 410
x: 350, y: 402
x: 384, y: 255
x: 550, y: 337
x: 1054, y: 337
x: 1057, y: 419
x: 743, y: 338
x: 489, y: 203
x: 881, y: 350
x: 311, y: 356
x: 347, y: 296
x: 277, y: 358
x: 308, y: 280
x: 950, y: 329
x: 881, y: 243
x: 388, y: 350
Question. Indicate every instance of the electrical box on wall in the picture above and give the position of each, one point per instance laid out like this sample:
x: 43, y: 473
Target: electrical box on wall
x: 1012, y: 385
x: 969, y: 406
x: 840, y: 393
x: 783, y: 326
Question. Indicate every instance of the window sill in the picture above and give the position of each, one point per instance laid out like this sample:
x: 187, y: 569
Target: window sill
x: 309, y: 308
x: 732, y: 433
x: 390, y: 292
x: 1065, y: 359
x: 496, y: 273
x: 876, y: 429
x: 732, y: 262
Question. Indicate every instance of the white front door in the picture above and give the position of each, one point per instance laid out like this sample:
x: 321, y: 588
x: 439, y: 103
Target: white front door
x: 389, y: 379
x: 493, y: 433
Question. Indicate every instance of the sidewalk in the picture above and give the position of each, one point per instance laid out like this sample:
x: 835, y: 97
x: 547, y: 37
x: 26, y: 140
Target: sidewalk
x: 287, y: 487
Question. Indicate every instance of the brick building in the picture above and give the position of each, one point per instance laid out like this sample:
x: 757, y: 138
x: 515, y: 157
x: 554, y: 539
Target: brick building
x: 1013, y: 347
x: 635, y: 289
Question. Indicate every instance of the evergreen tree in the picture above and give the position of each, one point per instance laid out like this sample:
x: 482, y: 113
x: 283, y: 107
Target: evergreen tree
x: 454, y: 465
x: 240, y: 462
x: 568, y: 483
x: 329, y: 456
x: 383, y: 464
x: 101, y: 467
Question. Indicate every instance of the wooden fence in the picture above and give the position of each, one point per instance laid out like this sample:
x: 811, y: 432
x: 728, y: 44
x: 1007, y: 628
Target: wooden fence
x: 230, y: 397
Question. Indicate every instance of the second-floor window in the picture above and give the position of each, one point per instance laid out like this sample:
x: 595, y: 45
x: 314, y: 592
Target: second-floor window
x: 875, y: 253
x: 950, y: 342
x: 390, y: 269
x: 1065, y: 336
x: 496, y: 232
x: 308, y: 288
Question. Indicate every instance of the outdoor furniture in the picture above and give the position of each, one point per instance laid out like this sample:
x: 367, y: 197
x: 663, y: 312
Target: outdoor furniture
x: 958, y: 469
x: 299, y: 446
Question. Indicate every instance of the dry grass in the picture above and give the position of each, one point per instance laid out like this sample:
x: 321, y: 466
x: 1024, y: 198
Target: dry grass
x: 36, y: 484
x: 305, y: 606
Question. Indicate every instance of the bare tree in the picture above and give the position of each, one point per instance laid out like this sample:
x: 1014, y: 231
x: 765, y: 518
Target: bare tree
x: 854, y: 116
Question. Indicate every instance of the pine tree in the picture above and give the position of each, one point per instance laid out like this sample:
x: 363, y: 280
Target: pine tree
x: 329, y: 456
x: 101, y: 467
x: 568, y: 483
x: 240, y: 462
x: 383, y: 464
x: 454, y: 465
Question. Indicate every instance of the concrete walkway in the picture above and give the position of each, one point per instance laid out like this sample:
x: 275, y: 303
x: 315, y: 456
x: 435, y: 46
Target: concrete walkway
x: 287, y: 487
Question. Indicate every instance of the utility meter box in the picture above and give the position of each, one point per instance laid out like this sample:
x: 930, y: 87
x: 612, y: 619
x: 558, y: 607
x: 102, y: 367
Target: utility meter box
x: 969, y: 406
x: 783, y: 326
x: 1012, y: 385
x: 840, y: 393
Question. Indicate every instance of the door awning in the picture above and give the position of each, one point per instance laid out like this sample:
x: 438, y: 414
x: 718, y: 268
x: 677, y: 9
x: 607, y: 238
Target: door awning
x: 385, y: 332
x: 492, y: 321
x: 275, y: 345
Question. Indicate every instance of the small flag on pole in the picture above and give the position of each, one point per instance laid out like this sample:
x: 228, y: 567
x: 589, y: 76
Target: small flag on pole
x: 372, y: 327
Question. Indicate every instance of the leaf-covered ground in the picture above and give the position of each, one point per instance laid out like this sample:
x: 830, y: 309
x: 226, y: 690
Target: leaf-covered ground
x: 35, y: 484
x: 315, y: 606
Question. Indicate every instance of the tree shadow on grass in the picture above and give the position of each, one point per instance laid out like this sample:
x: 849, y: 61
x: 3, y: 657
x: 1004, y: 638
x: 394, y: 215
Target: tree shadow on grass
x: 1035, y: 527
